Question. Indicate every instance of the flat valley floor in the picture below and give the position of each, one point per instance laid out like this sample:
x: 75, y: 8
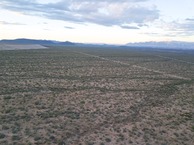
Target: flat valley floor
x: 96, y: 96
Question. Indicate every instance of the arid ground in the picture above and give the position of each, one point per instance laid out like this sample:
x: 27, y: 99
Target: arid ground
x: 96, y: 96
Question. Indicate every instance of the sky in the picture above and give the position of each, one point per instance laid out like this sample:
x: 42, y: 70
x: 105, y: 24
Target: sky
x: 98, y: 21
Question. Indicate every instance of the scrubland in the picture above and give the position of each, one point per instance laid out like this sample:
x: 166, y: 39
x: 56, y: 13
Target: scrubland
x: 96, y: 96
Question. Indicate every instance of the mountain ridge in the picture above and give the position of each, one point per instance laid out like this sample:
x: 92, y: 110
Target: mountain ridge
x: 164, y: 44
x: 35, y: 41
x: 150, y: 44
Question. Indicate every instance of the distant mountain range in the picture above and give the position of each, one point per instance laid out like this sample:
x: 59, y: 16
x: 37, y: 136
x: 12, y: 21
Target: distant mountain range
x: 152, y: 44
x: 23, y: 41
x: 168, y: 45
x: 33, y: 41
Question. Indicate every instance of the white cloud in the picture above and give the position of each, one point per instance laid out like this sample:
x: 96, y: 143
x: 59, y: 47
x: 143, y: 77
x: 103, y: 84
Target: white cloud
x: 184, y: 28
x: 102, y: 12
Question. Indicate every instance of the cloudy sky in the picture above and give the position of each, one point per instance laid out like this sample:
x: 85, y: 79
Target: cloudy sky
x: 98, y: 21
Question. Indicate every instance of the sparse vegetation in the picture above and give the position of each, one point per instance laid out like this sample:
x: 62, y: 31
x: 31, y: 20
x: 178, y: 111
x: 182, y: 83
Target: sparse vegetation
x: 96, y: 96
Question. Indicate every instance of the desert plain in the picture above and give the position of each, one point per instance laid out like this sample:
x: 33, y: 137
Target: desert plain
x: 68, y: 95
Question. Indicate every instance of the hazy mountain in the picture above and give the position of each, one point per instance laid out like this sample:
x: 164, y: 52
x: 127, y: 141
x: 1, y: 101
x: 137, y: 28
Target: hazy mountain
x: 170, y: 44
x: 52, y: 42
x: 33, y: 41
x: 152, y: 44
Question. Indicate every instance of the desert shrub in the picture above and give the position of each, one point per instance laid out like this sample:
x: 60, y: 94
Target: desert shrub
x: 121, y: 137
x: 72, y: 115
x: 7, y: 98
x: 5, y: 127
x: 36, y: 138
x: 130, y: 142
x: 108, y: 140
x: 15, y: 137
x: 187, y: 116
x: 27, y: 131
x: 193, y: 128
x: 16, y: 129
x: 2, y: 135
x: 61, y: 143
x: 176, y: 134
x: 82, y: 102
x: 90, y: 143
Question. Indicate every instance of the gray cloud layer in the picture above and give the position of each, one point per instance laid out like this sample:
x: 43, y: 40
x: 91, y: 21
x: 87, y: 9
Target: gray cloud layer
x: 102, y: 12
x: 185, y: 28
x: 129, y: 27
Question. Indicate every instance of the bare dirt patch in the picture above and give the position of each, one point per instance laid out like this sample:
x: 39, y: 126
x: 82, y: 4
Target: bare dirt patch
x: 21, y: 47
